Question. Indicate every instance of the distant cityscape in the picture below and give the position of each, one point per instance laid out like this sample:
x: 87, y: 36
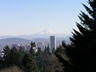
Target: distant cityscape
x: 52, y: 41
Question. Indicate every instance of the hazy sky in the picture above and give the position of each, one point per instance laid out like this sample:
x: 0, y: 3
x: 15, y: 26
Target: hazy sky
x: 25, y: 17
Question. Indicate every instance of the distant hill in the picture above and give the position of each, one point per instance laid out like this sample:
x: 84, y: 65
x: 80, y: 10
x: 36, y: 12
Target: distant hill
x: 10, y: 41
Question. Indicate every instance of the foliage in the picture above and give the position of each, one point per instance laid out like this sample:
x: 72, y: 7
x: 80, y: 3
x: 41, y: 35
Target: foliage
x: 47, y: 51
x: 13, y: 56
x: 31, y: 49
x: 29, y: 64
x: 47, y: 62
x: 82, y: 50
x: 6, y: 50
x: 29, y: 61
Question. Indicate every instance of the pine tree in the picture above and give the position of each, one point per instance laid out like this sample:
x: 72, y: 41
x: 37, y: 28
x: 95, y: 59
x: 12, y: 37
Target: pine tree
x: 21, y: 55
x: 82, y: 50
x: 39, y: 59
x: 31, y: 48
x: 6, y: 50
x: 39, y: 53
x: 29, y: 64
x: 47, y: 52
x: 12, y: 57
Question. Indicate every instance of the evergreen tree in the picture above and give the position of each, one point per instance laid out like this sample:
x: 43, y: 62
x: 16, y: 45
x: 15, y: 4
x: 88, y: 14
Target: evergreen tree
x: 31, y: 48
x: 39, y: 53
x: 6, y: 50
x: 29, y: 64
x: 21, y: 55
x: 46, y: 52
x: 39, y: 59
x: 12, y: 57
x: 60, y: 50
x: 82, y: 50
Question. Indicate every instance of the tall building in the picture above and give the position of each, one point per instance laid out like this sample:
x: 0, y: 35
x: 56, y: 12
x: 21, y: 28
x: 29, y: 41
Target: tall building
x: 52, y: 43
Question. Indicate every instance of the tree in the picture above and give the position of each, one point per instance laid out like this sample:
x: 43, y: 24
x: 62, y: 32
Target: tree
x: 29, y: 64
x: 20, y: 56
x: 39, y: 59
x: 12, y: 58
x: 31, y: 48
x: 39, y: 53
x: 82, y: 50
x: 6, y: 50
x: 60, y: 50
x: 46, y: 52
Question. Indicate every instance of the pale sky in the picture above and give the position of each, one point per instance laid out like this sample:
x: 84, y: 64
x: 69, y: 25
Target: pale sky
x: 25, y: 17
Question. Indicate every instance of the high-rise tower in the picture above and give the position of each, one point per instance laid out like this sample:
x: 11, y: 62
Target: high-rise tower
x: 52, y: 43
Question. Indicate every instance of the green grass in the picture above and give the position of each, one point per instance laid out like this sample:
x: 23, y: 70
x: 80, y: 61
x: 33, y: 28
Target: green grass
x: 11, y: 69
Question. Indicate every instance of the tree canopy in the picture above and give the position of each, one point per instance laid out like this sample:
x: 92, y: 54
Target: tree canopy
x: 82, y: 50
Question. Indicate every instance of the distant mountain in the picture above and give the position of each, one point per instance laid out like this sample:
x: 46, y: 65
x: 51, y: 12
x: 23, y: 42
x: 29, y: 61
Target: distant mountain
x: 50, y: 32
x: 3, y: 37
x: 34, y: 36
x: 42, y: 34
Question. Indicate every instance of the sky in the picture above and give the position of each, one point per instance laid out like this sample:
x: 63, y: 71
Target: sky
x: 26, y: 17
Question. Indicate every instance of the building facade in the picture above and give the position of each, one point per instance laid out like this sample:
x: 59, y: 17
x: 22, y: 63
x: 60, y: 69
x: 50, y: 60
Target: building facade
x: 52, y: 43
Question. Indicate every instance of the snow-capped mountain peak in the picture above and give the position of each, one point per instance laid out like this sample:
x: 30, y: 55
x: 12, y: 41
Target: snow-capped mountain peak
x: 47, y: 32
